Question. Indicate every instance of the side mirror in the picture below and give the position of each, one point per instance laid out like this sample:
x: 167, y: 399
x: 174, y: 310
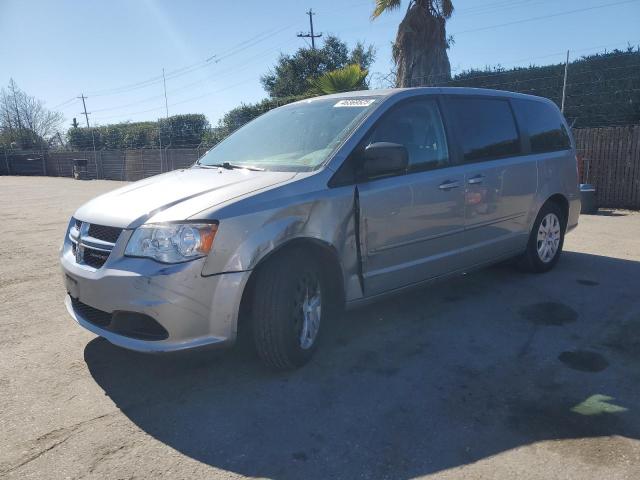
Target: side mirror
x: 384, y: 158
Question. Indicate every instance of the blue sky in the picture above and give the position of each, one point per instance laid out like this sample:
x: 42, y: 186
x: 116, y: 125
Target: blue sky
x: 56, y: 50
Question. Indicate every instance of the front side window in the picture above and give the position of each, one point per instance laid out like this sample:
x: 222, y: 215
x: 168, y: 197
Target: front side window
x: 546, y: 129
x: 486, y: 128
x: 418, y: 126
x: 296, y: 137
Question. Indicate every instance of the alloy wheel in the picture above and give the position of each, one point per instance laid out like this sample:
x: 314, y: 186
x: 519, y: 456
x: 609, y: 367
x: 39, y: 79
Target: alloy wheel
x: 308, y: 310
x: 548, y: 240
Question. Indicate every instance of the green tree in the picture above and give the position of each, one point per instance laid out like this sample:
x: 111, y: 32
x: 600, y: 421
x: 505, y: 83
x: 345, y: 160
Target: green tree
x: 420, y: 48
x: 351, y: 77
x: 602, y: 89
x: 183, y: 131
x: 289, y: 77
x: 178, y: 131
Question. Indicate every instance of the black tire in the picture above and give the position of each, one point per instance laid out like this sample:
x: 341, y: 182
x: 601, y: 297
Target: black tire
x: 531, y: 260
x: 278, y: 295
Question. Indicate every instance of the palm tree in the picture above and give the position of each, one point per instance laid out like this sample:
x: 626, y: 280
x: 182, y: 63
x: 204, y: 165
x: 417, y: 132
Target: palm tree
x: 420, y: 49
x: 352, y: 77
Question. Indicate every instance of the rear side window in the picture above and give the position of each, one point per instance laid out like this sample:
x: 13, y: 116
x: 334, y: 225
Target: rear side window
x: 486, y: 128
x: 547, y: 132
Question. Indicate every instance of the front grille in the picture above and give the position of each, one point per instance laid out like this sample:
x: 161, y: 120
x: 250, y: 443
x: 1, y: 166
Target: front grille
x: 95, y: 258
x: 90, y: 314
x: 93, y: 254
x: 102, y: 232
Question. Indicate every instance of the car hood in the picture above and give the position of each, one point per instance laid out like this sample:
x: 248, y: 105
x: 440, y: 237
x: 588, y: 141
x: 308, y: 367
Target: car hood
x: 175, y: 196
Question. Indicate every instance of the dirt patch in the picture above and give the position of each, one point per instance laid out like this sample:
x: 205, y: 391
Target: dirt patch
x: 549, y: 313
x: 584, y: 360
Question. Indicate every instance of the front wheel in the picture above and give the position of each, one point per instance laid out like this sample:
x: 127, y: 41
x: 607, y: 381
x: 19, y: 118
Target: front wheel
x: 288, y: 299
x: 545, y: 241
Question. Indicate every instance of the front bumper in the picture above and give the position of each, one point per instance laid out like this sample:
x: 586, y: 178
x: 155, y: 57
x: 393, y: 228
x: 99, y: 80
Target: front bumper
x: 195, y: 311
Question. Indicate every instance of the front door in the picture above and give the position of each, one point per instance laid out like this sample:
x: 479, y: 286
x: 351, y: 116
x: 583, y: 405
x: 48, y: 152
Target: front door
x: 411, y: 225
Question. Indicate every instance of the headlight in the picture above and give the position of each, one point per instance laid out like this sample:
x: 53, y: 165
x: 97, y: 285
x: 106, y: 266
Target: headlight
x: 172, y: 242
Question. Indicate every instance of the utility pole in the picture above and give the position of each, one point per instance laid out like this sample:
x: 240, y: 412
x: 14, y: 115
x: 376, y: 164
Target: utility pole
x: 564, y: 85
x: 93, y: 138
x: 166, y: 105
x: 84, y: 105
x: 310, y: 34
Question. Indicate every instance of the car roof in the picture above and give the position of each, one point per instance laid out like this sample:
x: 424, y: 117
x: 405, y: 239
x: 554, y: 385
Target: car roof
x: 390, y: 92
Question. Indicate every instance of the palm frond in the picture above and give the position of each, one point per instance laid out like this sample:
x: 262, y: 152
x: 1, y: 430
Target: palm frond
x: 351, y: 77
x: 385, y: 6
x: 446, y: 8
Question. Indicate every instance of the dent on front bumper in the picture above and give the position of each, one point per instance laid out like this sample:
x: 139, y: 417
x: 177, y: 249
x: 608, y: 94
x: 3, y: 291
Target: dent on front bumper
x: 195, y: 311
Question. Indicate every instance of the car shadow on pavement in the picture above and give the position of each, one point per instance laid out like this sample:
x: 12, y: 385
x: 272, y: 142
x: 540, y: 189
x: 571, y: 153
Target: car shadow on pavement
x: 429, y: 380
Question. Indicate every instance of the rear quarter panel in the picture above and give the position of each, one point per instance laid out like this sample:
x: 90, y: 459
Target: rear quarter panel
x: 557, y: 174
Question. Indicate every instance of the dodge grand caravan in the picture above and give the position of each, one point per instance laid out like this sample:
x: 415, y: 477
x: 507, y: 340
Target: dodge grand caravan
x: 330, y: 201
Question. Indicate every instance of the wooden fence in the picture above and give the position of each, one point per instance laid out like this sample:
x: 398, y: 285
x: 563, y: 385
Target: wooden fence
x: 608, y: 158
x: 127, y: 165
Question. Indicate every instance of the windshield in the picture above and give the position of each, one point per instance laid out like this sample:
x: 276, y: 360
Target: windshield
x: 296, y: 137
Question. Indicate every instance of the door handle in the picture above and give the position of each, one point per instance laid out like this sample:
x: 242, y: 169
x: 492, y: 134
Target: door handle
x: 475, y: 180
x: 448, y: 185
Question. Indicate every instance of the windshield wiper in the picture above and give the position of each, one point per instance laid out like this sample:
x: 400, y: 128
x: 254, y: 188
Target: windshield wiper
x: 233, y: 166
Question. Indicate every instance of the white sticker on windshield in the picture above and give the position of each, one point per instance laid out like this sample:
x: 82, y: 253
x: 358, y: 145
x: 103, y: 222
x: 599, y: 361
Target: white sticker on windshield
x: 355, y: 102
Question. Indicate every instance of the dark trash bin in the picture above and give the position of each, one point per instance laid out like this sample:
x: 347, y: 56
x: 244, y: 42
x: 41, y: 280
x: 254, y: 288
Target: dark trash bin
x: 80, y: 169
x: 588, y: 199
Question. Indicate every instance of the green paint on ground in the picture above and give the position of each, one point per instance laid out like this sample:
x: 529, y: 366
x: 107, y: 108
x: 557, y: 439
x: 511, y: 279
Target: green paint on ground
x: 597, y: 404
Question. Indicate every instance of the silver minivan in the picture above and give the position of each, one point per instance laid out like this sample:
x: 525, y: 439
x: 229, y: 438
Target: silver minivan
x: 324, y: 203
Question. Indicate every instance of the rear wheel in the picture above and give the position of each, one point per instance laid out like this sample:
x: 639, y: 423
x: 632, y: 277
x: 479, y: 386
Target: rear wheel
x: 546, y: 240
x: 288, y: 302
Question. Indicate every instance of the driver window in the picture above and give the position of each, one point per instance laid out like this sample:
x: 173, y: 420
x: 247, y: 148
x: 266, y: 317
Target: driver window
x: 418, y: 126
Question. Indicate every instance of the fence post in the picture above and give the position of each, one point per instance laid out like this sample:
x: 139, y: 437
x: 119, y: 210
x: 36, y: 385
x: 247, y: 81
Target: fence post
x: 160, y: 139
x: 99, y: 168
x: 6, y: 159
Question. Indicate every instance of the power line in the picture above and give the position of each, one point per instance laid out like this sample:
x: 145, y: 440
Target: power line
x: 182, y: 101
x: 235, y: 68
x: 490, y: 75
x: 493, y: 7
x: 445, y: 78
x: 213, y: 59
x: 542, y: 17
x: 66, y: 102
x: 231, y: 71
x: 263, y: 35
x: 520, y: 60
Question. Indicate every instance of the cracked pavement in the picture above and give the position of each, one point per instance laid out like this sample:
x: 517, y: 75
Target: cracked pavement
x: 497, y: 374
